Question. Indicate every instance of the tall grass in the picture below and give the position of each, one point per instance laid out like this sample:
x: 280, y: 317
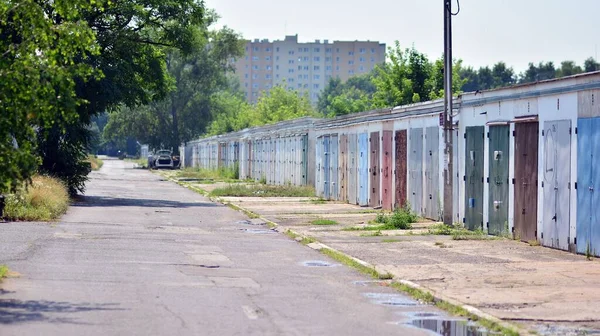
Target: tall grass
x: 95, y: 163
x: 264, y: 190
x: 45, y: 199
x: 222, y: 173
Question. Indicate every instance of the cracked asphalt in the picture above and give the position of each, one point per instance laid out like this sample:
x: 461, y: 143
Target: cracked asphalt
x: 142, y: 256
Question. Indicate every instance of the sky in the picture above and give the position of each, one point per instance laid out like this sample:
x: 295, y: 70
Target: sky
x: 484, y: 32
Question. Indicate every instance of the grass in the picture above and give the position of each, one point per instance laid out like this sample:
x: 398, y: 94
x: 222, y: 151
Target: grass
x: 391, y: 241
x: 373, y: 234
x: 263, y: 190
x: 45, y: 199
x: 458, y: 232
x: 3, y: 272
x: 318, y: 201
x: 222, y: 174
x: 248, y: 213
x: 95, y: 163
x: 322, y: 221
x: 400, y: 219
x: 344, y: 259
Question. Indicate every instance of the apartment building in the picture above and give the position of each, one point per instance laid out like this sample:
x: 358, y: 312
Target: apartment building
x: 305, y: 67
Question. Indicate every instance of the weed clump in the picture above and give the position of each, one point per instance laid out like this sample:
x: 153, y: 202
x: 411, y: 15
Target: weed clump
x: 400, y: 219
x: 45, y: 199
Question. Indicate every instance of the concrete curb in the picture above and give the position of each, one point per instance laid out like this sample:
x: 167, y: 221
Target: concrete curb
x: 317, y: 246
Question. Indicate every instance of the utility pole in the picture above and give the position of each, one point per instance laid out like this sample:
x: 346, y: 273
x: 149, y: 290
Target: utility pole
x: 448, y: 124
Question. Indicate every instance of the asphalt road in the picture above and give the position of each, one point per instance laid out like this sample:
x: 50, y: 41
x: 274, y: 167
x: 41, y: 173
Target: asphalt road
x: 142, y: 256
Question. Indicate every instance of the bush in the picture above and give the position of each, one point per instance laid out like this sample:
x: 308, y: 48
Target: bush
x: 400, y: 219
x: 45, y: 199
x: 95, y: 163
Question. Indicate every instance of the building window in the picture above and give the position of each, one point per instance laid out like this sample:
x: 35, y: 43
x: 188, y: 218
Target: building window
x: 350, y: 62
x: 351, y: 72
x: 267, y: 49
x: 256, y: 49
x: 291, y: 88
x: 306, y: 86
x: 246, y: 85
x: 362, y: 68
x: 317, y: 49
x: 328, y: 68
x: 246, y: 76
x: 277, y: 76
x: 267, y: 76
x: 291, y: 62
x: 291, y: 80
x: 299, y: 50
x: 246, y: 58
x: 362, y: 50
x: 254, y: 76
x: 317, y: 59
x: 255, y: 85
x: 255, y: 58
x: 316, y: 86
x: 306, y: 58
x: 305, y: 76
x: 255, y: 67
x: 254, y: 94
x: 327, y: 59
x: 372, y: 50
x: 328, y: 50
x: 299, y: 86
x: 277, y: 67
x: 362, y: 59
x: 268, y: 86
x: 277, y: 58
x: 317, y: 68
x: 305, y: 49
x: 246, y: 66
x: 337, y: 59
x: 290, y: 70
x: 269, y: 68
x: 306, y: 67
x: 317, y: 77
x: 277, y: 49
x: 337, y: 68
x: 268, y: 58
x: 350, y: 53
x: 337, y: 50
x: 300, y: 77
x: 246, y: 48
x: 291, y: 52
x: 299, y: 67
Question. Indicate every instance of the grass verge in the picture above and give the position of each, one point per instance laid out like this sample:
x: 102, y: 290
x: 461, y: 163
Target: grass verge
x: 222, y: 174
x: 3, y: 272
x: 45, y: 199
x: 95, y: 163
x: 344, y: 259
x: 263, y: 190
x: 322, y: 221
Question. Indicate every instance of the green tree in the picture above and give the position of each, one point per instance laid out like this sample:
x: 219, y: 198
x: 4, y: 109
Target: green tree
x: 185, y: 111
x: 338, y: 98
x: 280, y: 104
x: 41, y: 68
x: 590, y: 65
x: 568, y: 68
x: 503, y: 75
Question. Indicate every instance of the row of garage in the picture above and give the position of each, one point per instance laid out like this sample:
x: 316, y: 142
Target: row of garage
x: 524, y: 159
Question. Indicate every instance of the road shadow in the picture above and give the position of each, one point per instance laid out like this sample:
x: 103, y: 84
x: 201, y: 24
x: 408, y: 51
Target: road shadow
x: 102, y: 201
x: 17, y: 311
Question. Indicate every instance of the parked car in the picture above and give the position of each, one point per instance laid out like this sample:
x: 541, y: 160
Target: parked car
x: 163, y: 159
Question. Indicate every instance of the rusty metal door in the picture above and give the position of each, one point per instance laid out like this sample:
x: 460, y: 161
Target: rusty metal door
x: 374, y: 170
x: 343, y: 168
x: 401, y: 168
x: 526, y: 180
x: 474, y: 137
x: 556, y: 184
x: 387, y: 170
x: 415, y: 174
x: 352, y: 165
x: 432, y: 173
x: 498, y: 159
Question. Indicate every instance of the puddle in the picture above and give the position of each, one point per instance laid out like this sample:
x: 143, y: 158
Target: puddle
x: 396, y: 300
x: 248, y: 222
x: 422, y: 315
x: 189, y: 180
x: 317, y: 263
x: 368, y: 283
x: 259, y: 231
x: 450, y: 327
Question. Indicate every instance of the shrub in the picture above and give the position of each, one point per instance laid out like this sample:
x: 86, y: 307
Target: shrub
x: 45, y: 199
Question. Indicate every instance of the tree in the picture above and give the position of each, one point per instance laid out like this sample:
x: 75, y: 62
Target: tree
x: 471, y: 78
x: 41, y: 65
x: 338, y: 98
x: 280, y: 104
x: 503, y: 75
x: 540, y: 72
x: 590, y: 65
x: 568, y: 68
x: 185, y: 111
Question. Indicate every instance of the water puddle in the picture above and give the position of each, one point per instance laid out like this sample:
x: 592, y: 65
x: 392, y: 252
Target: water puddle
x: 422, y: 315
x: 396, y: 300
x: 259, y: 231
x: 317, y: 263
x: 447, y: 327
x: 249, y: 222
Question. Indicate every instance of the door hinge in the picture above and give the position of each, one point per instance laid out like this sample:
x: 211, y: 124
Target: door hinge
x: 487, y: 225
x: 513, y: 181
x: 513, y: 133
x: 464, y: 220
x: 464, y: 178
x: 575, y: 240
x: 570, y: 130
x: 488, y: 135
x: 542, y: 132
x: 465, y: 135
x: 542, y: 184
x: 482, y: 179
x: 513, y: 229
x: 488, y: 180
x: 542, y: 235
x: 575, y: 185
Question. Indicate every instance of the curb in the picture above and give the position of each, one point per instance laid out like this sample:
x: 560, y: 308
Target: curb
x: 317, y: 246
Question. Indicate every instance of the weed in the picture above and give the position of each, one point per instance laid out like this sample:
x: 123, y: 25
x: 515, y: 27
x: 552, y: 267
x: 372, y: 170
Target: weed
x: 318, y: 201
x: 390, y: 240
x: 3, y: 272
x: 385, y: 276
x: 303, y: 240
x: 533, y: 243
x: 322, y: 221
x: 95, y: 163
x: 441, y: 245
x: 381, y: 218
x: 250, y: 214
x: 263, y: 190
x: 588, y: 252
x: 374, y: 234
x: 263, y: 180
x: 344, y: 259
x: 45, y: 199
